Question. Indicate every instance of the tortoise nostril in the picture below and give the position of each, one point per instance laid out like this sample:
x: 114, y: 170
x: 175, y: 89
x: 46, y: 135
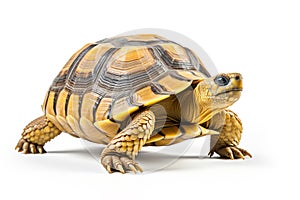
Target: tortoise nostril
x: 237, y: 77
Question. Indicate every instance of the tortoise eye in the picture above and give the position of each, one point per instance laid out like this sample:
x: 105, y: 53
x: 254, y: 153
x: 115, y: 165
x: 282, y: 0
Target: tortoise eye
x: 221, y: 80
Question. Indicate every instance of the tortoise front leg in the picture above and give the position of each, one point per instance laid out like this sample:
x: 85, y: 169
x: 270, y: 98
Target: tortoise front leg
x: 36, y: 134
x: 229, y: 139
x: 120, y: 152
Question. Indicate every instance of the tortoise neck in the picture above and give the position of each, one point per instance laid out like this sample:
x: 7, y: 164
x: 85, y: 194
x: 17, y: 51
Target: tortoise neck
x: 206, y: 109
x: 189, y: 107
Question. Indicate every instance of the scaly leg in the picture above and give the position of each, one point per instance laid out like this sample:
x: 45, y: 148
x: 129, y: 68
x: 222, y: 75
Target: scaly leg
x: 120, y: 152
x: 36, y: 134
x: 229, y: 139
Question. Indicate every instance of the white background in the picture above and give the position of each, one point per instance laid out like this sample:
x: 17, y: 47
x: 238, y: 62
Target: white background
x: 259, y: 39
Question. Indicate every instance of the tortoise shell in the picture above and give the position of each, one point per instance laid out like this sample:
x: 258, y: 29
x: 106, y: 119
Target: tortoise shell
x: 104, y: 82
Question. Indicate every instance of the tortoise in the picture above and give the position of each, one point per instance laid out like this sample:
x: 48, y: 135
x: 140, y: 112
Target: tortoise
x: 139, y: 90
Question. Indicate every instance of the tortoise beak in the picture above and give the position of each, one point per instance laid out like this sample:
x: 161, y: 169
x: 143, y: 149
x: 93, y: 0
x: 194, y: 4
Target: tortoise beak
x: 230, y: 90
x: 236, y: 80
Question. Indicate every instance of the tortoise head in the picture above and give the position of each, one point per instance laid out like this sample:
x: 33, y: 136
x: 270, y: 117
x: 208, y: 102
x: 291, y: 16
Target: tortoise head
x: 220, y: 91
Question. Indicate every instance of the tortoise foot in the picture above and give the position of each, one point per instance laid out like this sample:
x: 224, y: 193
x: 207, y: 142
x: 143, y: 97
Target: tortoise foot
x: 119, y: 163
x: 28, y: 147
x: 231, y: 153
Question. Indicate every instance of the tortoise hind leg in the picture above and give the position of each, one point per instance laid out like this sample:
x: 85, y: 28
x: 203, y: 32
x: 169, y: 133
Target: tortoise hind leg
x: 36, y: 134
x: 121, y: 150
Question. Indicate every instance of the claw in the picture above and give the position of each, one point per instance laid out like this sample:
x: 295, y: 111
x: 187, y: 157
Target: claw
x: 237, y: 153
x: 120, y: 168
x: 227, y: 152
x: 25, y: 147
x: 138, y: 168
x: 117, y: 164
x: 231, y: 156
x: 20, y: 145
x: 108, y: 169
x: 246, y: 153
x: 132, y: 168
x: 32, y: 148
x: 40, y: 149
